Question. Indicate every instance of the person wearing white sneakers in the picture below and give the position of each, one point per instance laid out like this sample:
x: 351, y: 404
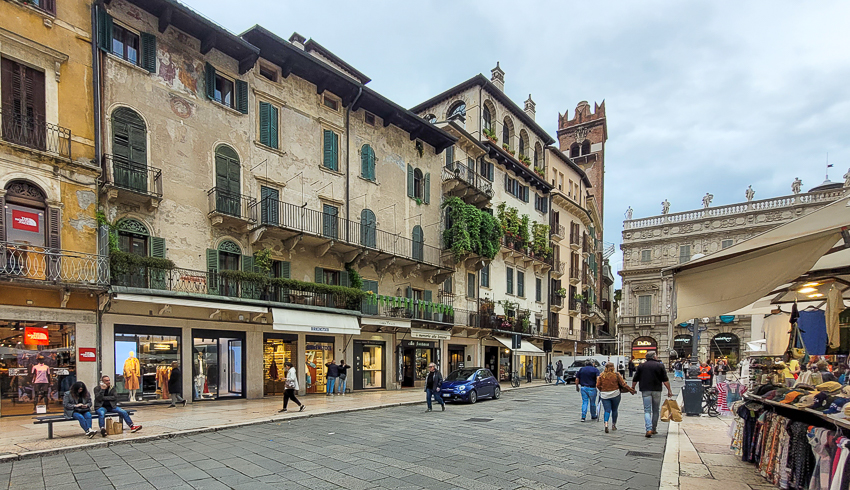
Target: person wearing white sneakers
x: 77, y: 405
x: 106, y: 401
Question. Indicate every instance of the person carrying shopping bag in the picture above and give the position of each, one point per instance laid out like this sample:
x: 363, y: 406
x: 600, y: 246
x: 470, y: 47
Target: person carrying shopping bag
x: 290, y: 386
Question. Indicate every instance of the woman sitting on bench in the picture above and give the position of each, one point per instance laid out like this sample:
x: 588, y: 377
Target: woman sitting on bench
x: 77, y: 404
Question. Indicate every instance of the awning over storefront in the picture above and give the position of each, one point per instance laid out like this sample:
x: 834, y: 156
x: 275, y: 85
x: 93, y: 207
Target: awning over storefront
x: 741, y: 274
x: 527, y: 349
x: 385, y: 322
x: 424, y: 333
x: 314, y: 322
x: 167, y: 300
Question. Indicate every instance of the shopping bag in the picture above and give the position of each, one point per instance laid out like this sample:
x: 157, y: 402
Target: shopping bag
x: 109, y: 430
x: 670, y: 411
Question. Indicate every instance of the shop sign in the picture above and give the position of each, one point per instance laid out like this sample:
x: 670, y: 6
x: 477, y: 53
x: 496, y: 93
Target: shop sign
x: 378, y: 343
x: 724, y: 338
x: 419, y: 333
x: 418, y: 343
x: 61, y: 371
x: 385, y: 322
x: 88, y: 354
x: 22, y: 220
x: 643, y: 343
x: 319, y: 347
x: 35, y: 336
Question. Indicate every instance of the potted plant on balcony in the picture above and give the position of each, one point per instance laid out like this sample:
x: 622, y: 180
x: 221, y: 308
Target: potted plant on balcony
x: 525, y: 324
x: 562, y: 292
x: 491, y: 135
x: 525, y: 160
x: 579, y: 297
x: 539, y: 171
x: 540, y: 243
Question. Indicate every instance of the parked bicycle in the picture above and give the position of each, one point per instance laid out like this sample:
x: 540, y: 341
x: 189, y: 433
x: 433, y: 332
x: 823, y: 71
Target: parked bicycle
x: 515, y: 380
x: 709, y: 402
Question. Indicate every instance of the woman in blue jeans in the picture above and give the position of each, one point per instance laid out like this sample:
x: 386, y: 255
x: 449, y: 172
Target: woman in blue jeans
x: 77, y: 405
x: 609, y: 384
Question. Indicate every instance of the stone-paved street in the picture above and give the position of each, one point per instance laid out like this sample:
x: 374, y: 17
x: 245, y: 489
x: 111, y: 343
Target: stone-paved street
x: 528, y: 439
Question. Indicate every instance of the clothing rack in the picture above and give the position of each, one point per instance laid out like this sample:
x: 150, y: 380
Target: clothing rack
x: 806, y: 415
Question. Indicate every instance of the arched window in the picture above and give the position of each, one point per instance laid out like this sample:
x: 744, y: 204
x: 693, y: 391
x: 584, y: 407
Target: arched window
x: 458, y: 109
x: 507, y: 131
x: 585, y: 148
x: 538, y: 153
x: 134, y: 238
x: 486, y: 119
x: 25, y: 217
x: 227, y: 181
x: 418, y: 243
x: 368, y: 228
x: 523, y: 143
x: 129, y: 150
x: 418, y: 184
x: 521, y: 147
x: 367, y: 163
x: 229, y: 258
x: 574, y: 150
x: 431, y: 118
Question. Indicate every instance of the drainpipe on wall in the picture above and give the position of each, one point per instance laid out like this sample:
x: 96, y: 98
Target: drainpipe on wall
x: 98, y: 157
x: 348, y: 158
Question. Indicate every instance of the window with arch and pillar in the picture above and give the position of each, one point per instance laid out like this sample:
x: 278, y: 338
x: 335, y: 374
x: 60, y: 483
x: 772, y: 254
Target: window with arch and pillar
x: 486, y: 119
x: 457, y: 110
x: 228, y: 176
x: 523, y: 144
x: 129, y: 150
x: 228, y: 257
x: 134, y: 238
x: 507, y: 131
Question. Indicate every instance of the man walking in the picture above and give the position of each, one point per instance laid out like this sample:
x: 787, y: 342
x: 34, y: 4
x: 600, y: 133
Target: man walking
x: 529, y: 369
x: 559, y: 372
x: 651, y: 375
x: 106, y: 401
x: 586, y: 378
x: 332, y: 375
x: 432, y: 386
x: 631, y: 368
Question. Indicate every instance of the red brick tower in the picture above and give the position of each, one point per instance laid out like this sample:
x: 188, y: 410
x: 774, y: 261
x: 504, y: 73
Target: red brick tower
x: 583, y: 138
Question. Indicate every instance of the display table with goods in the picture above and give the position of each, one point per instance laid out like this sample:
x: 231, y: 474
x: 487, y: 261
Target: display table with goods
x: 797, y: 438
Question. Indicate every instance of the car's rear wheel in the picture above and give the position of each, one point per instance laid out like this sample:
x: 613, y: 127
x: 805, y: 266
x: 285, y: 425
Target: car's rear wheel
x: 497, y: 393
x: 473, y: 396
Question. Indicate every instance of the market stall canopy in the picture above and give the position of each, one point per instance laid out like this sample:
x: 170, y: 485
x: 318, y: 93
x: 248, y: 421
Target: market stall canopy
x: 735, y: 277
x: 527, y: 348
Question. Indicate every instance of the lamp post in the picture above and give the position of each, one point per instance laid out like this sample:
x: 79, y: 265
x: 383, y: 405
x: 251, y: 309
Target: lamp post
x: 695, y: 328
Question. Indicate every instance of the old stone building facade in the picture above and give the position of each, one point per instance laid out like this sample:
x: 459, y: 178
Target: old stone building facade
x: 653, y: 243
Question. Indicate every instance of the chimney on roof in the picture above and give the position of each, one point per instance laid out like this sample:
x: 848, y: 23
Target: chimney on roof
x: 297, y: 40
x: 530, y: 107
x: 498, y: 77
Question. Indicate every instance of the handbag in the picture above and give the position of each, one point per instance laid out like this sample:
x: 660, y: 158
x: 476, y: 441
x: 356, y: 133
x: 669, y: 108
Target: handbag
x: 289, y: 384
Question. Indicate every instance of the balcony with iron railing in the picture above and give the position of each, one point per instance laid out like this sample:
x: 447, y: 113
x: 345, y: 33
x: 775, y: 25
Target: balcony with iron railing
x: 190, y: 281
x: 229, y: 208
x: 326, y: 232
x: 523, y: 252
x: 59, y: 267
x: 559, y: 268
x: 128, y: 181
x: 586, y: 247
x: 575, y: 241
x: 640, y: 320
x: 574, y: 306
x: 33, y: 131
x: 407, y: 308
x: 464, y: 182
x: 558, y: 231
x: 556, y: 302
x: 575, y: 275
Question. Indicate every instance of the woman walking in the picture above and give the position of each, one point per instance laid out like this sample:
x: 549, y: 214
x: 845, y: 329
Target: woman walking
x: 609, y: 384
x: 290, y: 386
x: 77, y: 405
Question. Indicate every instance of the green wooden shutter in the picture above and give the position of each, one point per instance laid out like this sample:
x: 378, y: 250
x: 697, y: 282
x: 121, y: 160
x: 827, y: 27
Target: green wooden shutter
x: 367, y: 163
x: 335, y: 148
x: 273, y: 131
x: 328, y: 151
x: 209, y: 78
x: 520, y: 284
x: 212, y: 271
x: 264, y: 123
x: 510, y: 281
x: 285, y: 268
x: 148, y: 51
x: 157, y: 249
x: 320, y: 275
x: 344, y: 279
x: 242, y: 96
x: 269, y: 206
x: 428, y: 188
x: 249, y: 289
x: 450, y: 157
x: 104, y: 30
x: 369, y: 304
x: 427, y: 296
x: 410, y: 191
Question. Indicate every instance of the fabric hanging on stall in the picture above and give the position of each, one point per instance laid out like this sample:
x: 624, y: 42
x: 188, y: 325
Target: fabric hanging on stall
x: 812, y: 325
x: 834, y: 307
x: 776, y: 332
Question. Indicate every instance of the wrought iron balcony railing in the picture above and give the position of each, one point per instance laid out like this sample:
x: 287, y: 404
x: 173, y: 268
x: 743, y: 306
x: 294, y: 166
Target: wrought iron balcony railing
x: 558, y: 231
x: 59, y: 266
x: 408, y: 308
x: 232, y: 204
x: 557, y: 301
x: 142, y: 179
x: 514, y: 244
x: 212, y: 283
x: 316, y: 223
x: 34, y: 132
x: 469, y: 176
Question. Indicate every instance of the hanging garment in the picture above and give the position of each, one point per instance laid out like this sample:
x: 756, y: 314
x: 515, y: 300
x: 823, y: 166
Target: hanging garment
x: 839, y: 473
x: 812, y: 325
x: 273, y: 371
x: 819, y: 440
x: 132, y: 370
x: 42, y: 374
x: 800, y: 457
x: 834, y: 307
x: 776, y: 333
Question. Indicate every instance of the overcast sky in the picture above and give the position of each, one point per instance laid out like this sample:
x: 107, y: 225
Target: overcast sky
x: 700, y: 96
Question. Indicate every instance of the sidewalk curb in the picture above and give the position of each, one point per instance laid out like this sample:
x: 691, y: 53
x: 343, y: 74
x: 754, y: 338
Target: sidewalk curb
x: 9, y: 458
x: 670, y: 466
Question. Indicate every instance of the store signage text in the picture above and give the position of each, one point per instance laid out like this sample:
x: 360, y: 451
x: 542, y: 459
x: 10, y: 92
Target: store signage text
x: 22, y: 220
x: 643, y: 343
x: 431, y: 335
x: 414, y: 343
x: 320, y: 329
x: 724, y: 338
x: 35, y: 336
x: 88, y: 354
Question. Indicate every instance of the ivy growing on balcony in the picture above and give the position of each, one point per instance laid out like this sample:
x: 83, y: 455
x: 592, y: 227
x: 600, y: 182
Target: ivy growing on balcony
x: 127, y: 263
x: 351, y: 295
x: 471, y: 231
x: 540, y: 244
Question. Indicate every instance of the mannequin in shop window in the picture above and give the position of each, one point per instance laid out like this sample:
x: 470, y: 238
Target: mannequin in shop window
x: 200, y: 375
x: 40, y: 382
x: 132, y: 371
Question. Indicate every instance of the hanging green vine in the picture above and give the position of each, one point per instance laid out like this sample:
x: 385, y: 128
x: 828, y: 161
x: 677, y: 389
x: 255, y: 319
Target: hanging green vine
x: 540, y: 241
x: 263, y: 260
x: 471, y: 231
x: 112, y: 233
x: 354, y: 278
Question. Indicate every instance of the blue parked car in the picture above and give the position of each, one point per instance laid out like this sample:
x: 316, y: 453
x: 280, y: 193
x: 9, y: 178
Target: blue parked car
x: 469, y: 385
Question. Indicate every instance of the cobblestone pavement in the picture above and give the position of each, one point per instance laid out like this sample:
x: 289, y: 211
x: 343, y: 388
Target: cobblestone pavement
x: 528, y: 439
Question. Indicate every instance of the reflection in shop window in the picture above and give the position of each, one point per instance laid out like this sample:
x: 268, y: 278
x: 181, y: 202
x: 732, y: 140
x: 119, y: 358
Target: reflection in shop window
x: 143, y: 363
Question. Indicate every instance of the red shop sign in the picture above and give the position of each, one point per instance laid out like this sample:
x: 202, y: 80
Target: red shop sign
x: 22, y: 220
x: 88, y: 354
x: 35, y: 336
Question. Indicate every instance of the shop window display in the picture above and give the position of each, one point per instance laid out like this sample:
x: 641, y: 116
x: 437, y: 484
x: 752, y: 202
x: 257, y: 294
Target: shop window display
x: 217, y: 367
x: 373, y: 366
x: 143, y: 362
x: 37, y: 366
x: 276, y: 352
x: 317, y: 355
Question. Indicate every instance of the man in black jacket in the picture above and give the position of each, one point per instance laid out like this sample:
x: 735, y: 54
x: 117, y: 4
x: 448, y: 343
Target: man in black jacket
x: 175, y: 385
x: 105, y: 401
x: 432, y: 386
x: 651, y: 375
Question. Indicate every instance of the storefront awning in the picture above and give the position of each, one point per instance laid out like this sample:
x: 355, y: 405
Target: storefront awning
x: 733, y: 278
x: 314, y: 322
x: 167, y: 300
x: 385, y: 322
x: 527, y: 349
